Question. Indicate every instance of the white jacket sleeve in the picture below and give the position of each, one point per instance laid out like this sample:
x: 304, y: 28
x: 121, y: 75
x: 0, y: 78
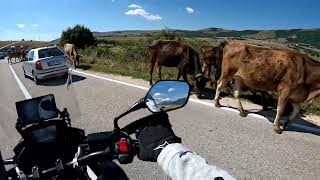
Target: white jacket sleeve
x: 180, y: 163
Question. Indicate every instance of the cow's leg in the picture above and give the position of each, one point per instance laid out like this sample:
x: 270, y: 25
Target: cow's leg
x: 179, y: 74
x: 184, y: 75
x: 236, y: 95
x: 221, y: 84
x: 159, y: 71
x: 293, y: 115
x: 151, y: 72
x: 263, y: 100
x: 240, y: 108
x: 282, y: 102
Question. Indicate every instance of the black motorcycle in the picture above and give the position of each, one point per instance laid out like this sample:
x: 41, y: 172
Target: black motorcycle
x: 51, y: 149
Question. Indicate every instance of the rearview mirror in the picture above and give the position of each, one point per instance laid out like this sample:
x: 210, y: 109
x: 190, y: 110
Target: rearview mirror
x: 167, y: 96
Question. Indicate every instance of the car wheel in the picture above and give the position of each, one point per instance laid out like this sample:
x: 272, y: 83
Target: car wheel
x: 35, y: 79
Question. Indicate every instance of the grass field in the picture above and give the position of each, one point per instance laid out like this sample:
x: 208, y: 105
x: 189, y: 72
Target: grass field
x: 127, y: 56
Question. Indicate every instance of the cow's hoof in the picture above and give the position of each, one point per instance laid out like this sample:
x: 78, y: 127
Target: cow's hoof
x: 217, y: 104
x: 242, y: 114
x: 286, y: 124
x: 151, y: 84
x: 277, y: 129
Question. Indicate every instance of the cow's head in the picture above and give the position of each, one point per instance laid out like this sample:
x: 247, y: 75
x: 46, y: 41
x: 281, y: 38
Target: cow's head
x: 212, y: 57
x: 200, y: 83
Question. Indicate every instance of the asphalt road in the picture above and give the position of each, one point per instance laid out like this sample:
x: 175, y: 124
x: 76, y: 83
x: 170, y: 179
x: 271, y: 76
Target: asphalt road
x: 245, y: 147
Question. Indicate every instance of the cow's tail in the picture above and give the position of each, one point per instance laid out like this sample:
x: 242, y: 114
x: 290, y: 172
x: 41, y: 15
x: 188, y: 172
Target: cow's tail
x: 150, y: 57
x: 197, y: 65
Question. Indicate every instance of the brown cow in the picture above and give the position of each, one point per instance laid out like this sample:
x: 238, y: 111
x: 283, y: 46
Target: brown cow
x: 212, y: 58
x: 175, y: 54
x: 14, y: 55
x: 22, y: 52
x: 294, y: 76
x: 71, y: 51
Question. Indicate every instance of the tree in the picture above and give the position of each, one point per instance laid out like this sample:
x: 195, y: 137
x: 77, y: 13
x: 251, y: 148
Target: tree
x: 79, y: 35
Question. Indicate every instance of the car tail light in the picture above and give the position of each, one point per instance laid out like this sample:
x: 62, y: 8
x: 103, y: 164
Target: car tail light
x: 38, y: 65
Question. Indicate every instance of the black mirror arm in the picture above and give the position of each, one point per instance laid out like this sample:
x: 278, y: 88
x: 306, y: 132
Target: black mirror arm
x: 138, y: 105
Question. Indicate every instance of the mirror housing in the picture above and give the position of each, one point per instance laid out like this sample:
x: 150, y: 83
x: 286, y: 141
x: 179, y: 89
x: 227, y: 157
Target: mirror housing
x: 167, y: 95
x: 175, y: 94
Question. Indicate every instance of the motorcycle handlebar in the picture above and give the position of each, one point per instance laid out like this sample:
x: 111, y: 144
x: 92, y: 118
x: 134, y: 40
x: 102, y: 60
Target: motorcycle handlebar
x: 79, y: 162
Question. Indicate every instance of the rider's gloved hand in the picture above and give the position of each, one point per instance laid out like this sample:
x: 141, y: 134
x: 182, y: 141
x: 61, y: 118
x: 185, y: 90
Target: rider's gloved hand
x: 154, y: 137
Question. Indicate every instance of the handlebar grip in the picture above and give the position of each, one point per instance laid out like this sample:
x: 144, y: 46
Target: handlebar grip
x: 99, y: 141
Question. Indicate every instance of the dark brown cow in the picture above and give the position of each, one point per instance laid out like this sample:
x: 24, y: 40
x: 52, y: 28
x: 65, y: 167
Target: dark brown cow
x: 175, y: 54
x: 294, y: 76
x: 14, y: 55
x: 212, y: 58
x: 71, y: 51
x: 22, y: 52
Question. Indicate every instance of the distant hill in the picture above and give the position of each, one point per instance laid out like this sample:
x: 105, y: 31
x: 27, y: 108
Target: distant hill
x: 178, y: 102
x: 26, y: 44
x: 307, y: 37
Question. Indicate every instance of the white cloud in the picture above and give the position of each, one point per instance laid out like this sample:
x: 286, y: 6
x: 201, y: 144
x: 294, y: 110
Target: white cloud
x: 171, y: 89
x: 152, y: 17
x: 139, y: 11
x: 21, y: 26
x: 134, y: 6
x: 189, y: 10
x: 156, y: 94
x: 166, y: 99
x: 35, y: 25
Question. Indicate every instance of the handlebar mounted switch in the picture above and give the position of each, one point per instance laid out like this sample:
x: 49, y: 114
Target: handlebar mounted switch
x: 123, y: 146
x: 124, y: 151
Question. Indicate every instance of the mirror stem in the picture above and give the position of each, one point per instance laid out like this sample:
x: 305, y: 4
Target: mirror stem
x: 138, y: 105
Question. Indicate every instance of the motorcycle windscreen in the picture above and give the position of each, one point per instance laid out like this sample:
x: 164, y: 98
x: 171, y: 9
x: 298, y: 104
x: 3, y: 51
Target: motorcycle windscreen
x: 51, y: 95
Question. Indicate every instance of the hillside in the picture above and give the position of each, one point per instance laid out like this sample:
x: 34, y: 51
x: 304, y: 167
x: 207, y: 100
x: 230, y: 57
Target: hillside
x: 307, y: 37
x: 26, y: 44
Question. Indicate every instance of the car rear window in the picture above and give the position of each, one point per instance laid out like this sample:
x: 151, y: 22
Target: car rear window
x: 43, y: 53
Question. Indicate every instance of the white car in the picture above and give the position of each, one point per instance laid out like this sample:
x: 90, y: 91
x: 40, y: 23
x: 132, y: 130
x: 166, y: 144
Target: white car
x: 45, y: 62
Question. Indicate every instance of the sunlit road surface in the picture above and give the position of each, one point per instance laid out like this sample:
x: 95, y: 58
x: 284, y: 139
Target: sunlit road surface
x: 245, y: 147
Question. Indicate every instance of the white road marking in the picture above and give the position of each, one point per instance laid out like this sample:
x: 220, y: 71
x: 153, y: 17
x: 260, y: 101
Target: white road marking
x: 22, y: 87
x: 312, y: 129
x: 112, y: 80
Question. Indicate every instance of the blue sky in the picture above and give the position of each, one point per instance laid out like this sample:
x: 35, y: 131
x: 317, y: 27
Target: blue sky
x: 45, y: 20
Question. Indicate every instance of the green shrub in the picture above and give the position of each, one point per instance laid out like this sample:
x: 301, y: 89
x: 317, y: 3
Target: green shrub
x: 79, y: 35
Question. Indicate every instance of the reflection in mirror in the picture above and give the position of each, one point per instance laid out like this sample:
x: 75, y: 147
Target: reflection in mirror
x: 167, y: 95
